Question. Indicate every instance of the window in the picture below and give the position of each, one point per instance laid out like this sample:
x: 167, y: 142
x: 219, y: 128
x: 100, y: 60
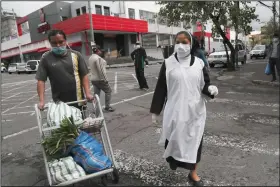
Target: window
x: 98, y: 9
x: 106, y: 11
x: 78, y: 12
x: 63, y: 18
x: 148, y: 16
x: 84, y: 9
x: 131, y: 13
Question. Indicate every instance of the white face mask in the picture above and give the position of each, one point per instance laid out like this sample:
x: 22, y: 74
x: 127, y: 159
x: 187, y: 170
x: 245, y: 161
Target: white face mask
x: 137, y: 46
x: 182, y: 50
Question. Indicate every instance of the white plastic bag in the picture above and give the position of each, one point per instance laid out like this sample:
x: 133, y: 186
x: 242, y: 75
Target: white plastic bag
x: 58, y: 111
x: 65, y: 169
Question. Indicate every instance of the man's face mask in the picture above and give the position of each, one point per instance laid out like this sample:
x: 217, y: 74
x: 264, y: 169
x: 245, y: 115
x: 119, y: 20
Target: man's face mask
x: 137, y: 46
x: 59, y: 50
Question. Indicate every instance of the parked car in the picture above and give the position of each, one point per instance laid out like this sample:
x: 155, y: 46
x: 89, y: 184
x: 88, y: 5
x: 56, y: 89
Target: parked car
x: 258, y: 51
x: 32, y: 66
x: 17, y: 68
x: 220, y: 57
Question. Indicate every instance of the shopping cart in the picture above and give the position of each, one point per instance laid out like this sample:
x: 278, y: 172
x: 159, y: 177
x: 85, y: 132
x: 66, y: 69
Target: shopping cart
x: 98, y: 129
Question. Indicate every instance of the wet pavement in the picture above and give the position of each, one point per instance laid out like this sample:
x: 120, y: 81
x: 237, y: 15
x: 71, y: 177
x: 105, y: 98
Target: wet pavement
x: 241, y: 141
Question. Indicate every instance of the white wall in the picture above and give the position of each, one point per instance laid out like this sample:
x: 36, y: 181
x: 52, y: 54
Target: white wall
x: 24, y: 39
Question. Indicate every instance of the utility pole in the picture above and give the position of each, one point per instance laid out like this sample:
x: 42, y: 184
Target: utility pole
x: 236, y: 33
x: 279, y: 21
x: 91, y: 24
x: 274, y: 15
x: 19, y: 44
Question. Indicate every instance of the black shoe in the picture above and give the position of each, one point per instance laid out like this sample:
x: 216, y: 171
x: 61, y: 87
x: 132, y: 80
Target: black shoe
x: 195, y: 183
x: 273, y: 80
x: 109, y: 109
x: 172, y: 165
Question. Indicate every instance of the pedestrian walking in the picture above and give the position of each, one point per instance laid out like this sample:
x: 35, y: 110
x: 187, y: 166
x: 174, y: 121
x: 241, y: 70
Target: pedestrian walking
x: 200, y: 53
x: 274, y: 57
x: 66, y: 70
x: 98, y: 77
x: 139, y: 56
x: 182, y: 83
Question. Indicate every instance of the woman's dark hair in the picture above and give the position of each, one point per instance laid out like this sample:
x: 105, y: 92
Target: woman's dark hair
x: 55, y: 32
x: 194, y: 41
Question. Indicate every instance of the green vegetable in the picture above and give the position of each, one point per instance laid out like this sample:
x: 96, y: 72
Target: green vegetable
x: 61, y: 138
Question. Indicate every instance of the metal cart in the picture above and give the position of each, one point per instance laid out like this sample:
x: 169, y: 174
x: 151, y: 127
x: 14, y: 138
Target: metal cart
x: 98, y: 129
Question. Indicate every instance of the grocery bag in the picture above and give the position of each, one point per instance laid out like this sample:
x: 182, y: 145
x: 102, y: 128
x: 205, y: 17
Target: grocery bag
x: 58, y: 111
x: 267, y: 69
x: 65, y: 169
x: 88, y: 153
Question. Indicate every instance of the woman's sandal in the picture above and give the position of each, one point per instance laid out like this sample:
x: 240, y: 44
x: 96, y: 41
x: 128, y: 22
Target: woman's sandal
x: 195, y: 183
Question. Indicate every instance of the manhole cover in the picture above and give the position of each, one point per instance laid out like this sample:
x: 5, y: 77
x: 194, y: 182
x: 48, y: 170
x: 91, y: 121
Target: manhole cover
x: 222, y: 78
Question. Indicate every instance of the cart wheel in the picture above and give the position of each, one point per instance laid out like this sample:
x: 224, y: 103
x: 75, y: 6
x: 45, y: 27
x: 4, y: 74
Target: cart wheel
x: 115, y: 176
x: 104, y: 180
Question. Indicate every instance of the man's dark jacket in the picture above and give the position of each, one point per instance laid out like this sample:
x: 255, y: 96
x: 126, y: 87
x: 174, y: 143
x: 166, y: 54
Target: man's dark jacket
x: 139, y: 56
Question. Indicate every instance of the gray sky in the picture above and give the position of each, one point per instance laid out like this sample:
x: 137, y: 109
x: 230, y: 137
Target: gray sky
x: 22, y: 8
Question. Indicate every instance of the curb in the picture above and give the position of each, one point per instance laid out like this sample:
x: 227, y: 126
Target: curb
x: 127, y: 65
x: 260, y: 82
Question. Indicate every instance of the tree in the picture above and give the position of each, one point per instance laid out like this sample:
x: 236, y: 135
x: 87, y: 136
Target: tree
x: 268, y: 29
x: 222, y: 14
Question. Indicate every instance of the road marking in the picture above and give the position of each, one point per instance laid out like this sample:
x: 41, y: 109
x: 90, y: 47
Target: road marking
x: 116, y: 83
x: 20, y: 132
x: 17, y: 83
x: 135, y: 78
x: 15, y: 89
x: 32, y: 114
x: 6, y: 120
x: 11, y: 96
x: 17, y: 113
x: 22, y: 102
x: 32, y: 128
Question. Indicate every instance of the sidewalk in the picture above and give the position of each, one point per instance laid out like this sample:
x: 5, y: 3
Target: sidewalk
x: 252, y: 72
x: 131, y: 64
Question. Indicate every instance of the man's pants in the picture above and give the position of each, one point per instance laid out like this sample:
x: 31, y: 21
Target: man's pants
x: 105, y: 87
x: 141, y: 78
x: 274, y: 62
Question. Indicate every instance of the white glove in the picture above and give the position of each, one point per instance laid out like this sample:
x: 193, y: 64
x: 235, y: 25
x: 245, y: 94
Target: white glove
x: 155, y: 119
x: 213, y: 90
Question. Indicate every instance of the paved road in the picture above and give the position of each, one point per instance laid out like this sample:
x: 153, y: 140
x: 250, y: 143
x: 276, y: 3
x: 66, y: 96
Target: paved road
x: 241, y: 145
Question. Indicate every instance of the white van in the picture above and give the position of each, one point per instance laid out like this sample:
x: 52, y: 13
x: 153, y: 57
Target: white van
x: 32, y: 66
x: 17, y: 68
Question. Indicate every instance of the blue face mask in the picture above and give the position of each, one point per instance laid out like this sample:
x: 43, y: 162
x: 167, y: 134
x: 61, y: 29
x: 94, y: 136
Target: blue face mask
x: 59, y: 50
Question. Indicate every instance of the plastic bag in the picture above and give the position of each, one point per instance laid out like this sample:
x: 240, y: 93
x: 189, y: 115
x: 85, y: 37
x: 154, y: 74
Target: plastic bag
x: 267, y: 69
x: 58, y: 111
x: 88, y: 152
x: 65, y: 169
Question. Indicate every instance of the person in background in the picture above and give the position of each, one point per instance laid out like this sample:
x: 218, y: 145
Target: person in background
x: 139, y: 56
x: 183, y: 81
x: 214, y: 50
x: 66, y: 70
x: 98, y: 77
x: 200, y: 52
x: 274, y: 56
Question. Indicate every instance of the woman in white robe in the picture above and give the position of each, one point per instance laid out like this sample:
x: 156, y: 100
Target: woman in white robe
x: 182, y: 86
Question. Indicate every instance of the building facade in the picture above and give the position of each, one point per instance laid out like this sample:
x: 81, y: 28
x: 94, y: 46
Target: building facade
x: 117, y: 26
x: 8, y: 26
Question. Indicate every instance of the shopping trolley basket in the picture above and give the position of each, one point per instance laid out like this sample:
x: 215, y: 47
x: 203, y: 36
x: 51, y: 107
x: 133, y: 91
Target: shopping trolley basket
x: 98, y: 129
